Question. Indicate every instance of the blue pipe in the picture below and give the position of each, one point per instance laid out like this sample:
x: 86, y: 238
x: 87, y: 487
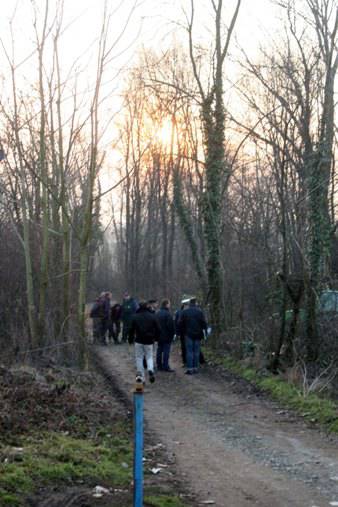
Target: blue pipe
x: 138, y: 449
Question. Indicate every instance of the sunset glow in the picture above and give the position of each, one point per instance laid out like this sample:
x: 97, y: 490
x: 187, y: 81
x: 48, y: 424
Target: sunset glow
x: 164, y: 133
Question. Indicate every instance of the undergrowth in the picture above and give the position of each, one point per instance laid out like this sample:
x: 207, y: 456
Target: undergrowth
x: 163, y: 501
x: 58, y: 458
x: 62, y: 431
x: 310, y: 406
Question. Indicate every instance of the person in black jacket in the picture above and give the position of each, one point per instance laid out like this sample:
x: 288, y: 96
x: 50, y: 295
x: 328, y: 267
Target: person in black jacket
x: 178, y: 331
x: 129, y: 307
x: 193, y: 325
x: 115, y: 322
x: 166, y: 322
x: 153, y: 305
x: 144, y: 331
x: 96, y: 314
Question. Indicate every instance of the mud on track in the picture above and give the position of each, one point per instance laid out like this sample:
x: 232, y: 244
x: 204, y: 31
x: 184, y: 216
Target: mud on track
x: 230, y: 443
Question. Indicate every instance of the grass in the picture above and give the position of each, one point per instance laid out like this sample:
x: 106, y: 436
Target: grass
x: 163, y: 501
x: 59, y: 458
x: 311, y: 407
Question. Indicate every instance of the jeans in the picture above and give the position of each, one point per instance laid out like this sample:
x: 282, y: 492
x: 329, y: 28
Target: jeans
x: 162, y: 355
x: 183, y: 349
x: 193, y: 348
x: 142, y: 351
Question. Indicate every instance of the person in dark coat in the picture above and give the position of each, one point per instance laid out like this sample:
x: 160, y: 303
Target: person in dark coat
x: 96, y: 314
x: 153, y: 305
x: 115, y: 322
x: 193, y: 325
x: 144, y: 331
x: 129, y: 307
x: 105, y: 322
x: 178, y: 331
x: 166, y: 322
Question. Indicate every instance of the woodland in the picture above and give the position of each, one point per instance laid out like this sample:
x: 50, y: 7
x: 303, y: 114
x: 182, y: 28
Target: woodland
x: 221, y: 182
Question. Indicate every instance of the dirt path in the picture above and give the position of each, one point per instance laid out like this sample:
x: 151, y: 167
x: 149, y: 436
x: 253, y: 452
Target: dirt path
x: 231, y: 444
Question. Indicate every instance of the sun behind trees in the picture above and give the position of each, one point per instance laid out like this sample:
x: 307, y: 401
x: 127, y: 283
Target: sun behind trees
x: 268, y: 222
x: 222, y: 179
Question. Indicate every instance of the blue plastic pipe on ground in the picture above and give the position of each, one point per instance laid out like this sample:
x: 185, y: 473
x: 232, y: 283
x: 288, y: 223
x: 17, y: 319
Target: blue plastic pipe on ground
x: 138, y: 449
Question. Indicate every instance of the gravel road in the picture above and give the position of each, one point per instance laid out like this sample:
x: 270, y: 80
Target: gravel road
x: 232, y: 446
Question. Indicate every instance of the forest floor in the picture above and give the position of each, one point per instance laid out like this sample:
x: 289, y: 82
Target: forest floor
x: 66, y: 441
x: 230, y: 445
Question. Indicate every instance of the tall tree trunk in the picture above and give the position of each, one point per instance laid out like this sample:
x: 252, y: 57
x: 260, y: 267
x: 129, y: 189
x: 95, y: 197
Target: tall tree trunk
x: 31, y: 308
x: 319, y: 170
x: 216, y: 171
x: 43, y: 280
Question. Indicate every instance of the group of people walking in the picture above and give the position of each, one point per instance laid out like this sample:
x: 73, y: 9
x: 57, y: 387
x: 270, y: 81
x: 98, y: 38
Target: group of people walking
x: 144, y: 325
x: 107, y: 317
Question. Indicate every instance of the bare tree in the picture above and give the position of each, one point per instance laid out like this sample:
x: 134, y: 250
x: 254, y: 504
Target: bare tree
x: 217, y: 172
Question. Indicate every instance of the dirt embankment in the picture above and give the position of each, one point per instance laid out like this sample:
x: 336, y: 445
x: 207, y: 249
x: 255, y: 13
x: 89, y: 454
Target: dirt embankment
x: 66, y: 441
x: 231, y: 445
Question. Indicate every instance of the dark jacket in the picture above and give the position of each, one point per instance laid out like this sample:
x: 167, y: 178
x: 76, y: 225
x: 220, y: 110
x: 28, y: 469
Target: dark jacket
x: 144, y: 327
x: 97, y: 309
x: 166, y: 322
x: 177, y: 318
x: 192, y: 322
x: 106, y: 308
x: 116, y: 312
x: 129, y: 307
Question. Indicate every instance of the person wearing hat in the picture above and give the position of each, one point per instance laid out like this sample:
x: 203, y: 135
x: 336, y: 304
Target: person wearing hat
x: 144, y: 331
x: 192, y: 325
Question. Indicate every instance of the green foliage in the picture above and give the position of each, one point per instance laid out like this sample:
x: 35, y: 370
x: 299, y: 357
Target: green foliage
x: 163, y: 501
x: 310, y: 406
x: 248, y: 348
x: 62, y: 458
x: 7, y: 499
x: 14, y: 479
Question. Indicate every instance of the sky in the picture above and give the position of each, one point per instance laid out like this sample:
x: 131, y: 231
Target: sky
x: 150, y: 23
x: 134, y: 24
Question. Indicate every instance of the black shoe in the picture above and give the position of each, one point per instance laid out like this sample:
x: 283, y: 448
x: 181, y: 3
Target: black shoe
x: 151, y: 377
x: 189, y: 372
x: 170, y: 370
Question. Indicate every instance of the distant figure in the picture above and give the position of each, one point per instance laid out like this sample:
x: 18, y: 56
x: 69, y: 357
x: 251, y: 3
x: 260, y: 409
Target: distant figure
x: 115, y: 322
x: 105, y: 319
x: 96, y: 314
x: 166, y: 322
x: 144, y: 331
x: 178, y: 331
x: 192, y: 324
x: 129, y: 307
